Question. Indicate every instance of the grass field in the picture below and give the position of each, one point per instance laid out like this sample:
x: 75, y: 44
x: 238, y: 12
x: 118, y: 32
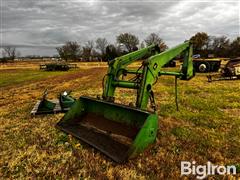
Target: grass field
x: 207, y: 127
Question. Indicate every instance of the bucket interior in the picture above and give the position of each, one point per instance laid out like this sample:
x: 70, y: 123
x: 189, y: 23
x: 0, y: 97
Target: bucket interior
x: 109, y: 127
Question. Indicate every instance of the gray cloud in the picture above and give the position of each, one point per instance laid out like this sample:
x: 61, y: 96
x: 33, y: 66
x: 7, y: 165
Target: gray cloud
x: 47, y: 23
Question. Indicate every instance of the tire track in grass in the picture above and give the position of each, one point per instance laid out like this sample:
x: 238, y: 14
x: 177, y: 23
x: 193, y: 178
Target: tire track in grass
x: 13, y: 97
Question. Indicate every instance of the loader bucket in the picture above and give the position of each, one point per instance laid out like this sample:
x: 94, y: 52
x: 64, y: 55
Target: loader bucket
x: 118, y: 131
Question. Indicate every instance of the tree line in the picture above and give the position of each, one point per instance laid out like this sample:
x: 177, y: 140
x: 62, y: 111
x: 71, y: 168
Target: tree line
x: 219, y: 46
x: 102, y: 50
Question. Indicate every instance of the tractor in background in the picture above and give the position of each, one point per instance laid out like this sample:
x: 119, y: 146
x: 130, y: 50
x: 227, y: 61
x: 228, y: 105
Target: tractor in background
x: 231, y: 71
x: 206, y: 65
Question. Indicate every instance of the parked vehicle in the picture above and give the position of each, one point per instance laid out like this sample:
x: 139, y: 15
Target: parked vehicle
x: 57, y: 66
x: 229, y: 72
x: 206, y: 65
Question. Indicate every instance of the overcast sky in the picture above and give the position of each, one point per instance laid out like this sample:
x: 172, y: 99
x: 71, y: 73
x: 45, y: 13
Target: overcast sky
x: 38, y: 26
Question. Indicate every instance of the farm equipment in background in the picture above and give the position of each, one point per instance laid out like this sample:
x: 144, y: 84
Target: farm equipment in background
x: 230, y: 71
x: 206, y: 65
x: 171, y: 63
x: 120, y: 131
x: 62, y: 104
x: 58, y: 66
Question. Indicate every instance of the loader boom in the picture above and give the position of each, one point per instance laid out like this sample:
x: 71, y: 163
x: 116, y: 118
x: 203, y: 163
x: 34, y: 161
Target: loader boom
x: 117, y: 68
x: 149, y: 72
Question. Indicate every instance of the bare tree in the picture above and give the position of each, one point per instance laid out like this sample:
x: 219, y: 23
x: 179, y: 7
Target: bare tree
x: 89, y: 44
x: 142, y: 45
x: 88, y: 50
x: 221, y: 46
x: 235, y: 47
x: 18, y: 54
x: 129, y: 40
x: 9, y: 52
x: 71, y: 50
x: 153, y: 38
x: 101, y: 44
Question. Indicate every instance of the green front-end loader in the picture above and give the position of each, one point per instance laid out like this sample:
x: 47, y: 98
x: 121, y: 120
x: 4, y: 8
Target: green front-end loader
x: 119, y: 131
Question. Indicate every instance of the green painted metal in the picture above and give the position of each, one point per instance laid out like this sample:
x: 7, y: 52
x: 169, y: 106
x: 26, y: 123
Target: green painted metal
x: 146, y: 136
x: 62, y: 104
x: 130, y: 71
x: 66, y: 101
x: 46, y: 106
x: 178, y: 74
x: 118, y: 65
x: 152, y: 69
x: 150, y: 72
x: 103, y: 123
x: 143, y: 122
x: 126, y: 84
x: 187, y: 67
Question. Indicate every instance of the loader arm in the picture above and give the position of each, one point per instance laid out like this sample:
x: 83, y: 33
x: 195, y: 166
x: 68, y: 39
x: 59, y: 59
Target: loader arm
x: 118, y: 66
x: 152, y: 70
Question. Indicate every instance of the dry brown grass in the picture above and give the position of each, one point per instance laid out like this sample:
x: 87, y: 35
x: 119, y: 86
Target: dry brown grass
x: 207, y: 128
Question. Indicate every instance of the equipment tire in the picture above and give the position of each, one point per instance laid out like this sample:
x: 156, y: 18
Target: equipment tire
x: 204, y: 67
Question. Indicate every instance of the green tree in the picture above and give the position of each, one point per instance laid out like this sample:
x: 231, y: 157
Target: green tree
x: 130, y: 41
x: 9, y: 53
x: 101, y: 44
x: 200, y: 43
x: 88, y: 50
